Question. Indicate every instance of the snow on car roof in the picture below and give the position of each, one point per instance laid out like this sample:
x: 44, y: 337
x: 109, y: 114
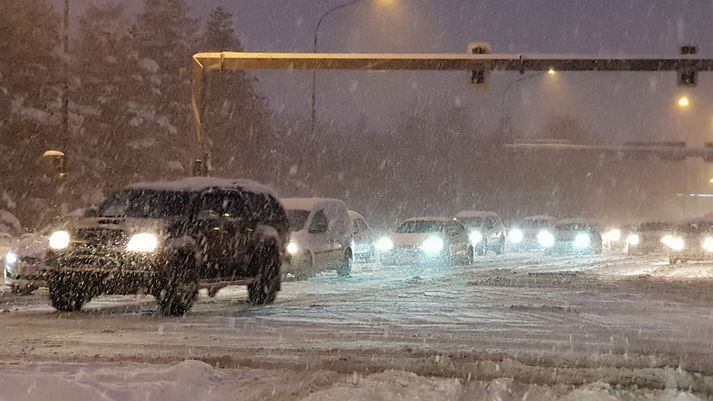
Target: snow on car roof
x: 198, y: 184
x: 307, y: 203
x: 474, y: 213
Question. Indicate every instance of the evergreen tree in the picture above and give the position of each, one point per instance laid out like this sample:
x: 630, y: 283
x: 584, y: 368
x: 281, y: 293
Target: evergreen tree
x: 30, y: 120
x: 236, y: 116
x: 158, y: 111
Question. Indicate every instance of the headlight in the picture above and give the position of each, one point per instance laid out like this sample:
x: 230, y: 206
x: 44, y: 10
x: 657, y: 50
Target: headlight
x: 432, y: 245
x: 708, y: 244
x: 142, y: 242
x: 384, y: 244
x: 292, y: 248
x: 546, y: 239
x: 59, y: 240
x: 667, y: 240
x: 10, y: 258
x: 475, y: 237
x: 677, y: 243
x: 633, y: 239
x: 612, y: 235
x: 516, y: 236
x: 582, y: 241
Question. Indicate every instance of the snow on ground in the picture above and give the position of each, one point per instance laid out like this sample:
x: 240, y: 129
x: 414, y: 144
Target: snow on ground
x: 596, y: 327
x: 192, y: 380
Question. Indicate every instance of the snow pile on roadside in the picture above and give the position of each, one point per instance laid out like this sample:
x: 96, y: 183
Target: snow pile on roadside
x: 195, y: 380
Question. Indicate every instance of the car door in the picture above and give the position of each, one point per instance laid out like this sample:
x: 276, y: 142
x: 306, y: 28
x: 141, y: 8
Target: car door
x: 319, y: 238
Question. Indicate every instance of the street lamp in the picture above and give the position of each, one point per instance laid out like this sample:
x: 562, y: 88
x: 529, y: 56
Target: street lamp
x: 683, y: 102
x: 314, y: 48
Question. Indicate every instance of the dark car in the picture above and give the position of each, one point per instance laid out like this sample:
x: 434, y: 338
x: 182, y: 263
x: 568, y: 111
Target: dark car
x: 576, y: 236
x: 169, y: 239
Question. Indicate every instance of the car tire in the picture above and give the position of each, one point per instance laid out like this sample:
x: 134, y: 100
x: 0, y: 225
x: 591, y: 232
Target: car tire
x: 345, y: 268
x: 263, y: 290
x: 180, y: 290
x: 66, y: 295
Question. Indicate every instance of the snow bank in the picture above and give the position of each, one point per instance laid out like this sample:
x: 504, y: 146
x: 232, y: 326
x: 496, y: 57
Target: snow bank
x: 195, y: 380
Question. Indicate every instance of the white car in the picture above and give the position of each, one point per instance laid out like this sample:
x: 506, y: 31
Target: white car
x: 523, y: 236
x: 26, y: 261
x: 320, y: 237
x: 649, y: 237
x: 486, y: 230
x: 362, y: 238
x: 426, y: 240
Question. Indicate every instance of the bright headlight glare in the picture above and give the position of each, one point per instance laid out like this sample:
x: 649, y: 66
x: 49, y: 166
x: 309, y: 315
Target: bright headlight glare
x: 432, y: 245
x: 612, y: 235
x: 582, y: 240
x: 142, y: 242
x: 59, y: 240
x: 676, y: 243
x: 633, y: 239
x: 708, y: 244
x: 292, y: 248
x: 10, y: 258
x: 475, y: 237
x: 516, y: 236
x: 384, y: 244
x: 667, y: 239
x: 546, y: 239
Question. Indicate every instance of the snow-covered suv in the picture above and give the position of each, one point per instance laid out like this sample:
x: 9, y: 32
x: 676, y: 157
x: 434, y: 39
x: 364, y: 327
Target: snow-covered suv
x: 169, y: 239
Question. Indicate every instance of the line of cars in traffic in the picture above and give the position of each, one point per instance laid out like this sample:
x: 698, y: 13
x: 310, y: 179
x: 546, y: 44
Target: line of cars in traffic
x: 170, y: 239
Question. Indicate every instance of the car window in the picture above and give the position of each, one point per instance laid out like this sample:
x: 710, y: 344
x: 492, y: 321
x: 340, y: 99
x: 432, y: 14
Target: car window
x: 145, y: 204
x: 319, y: 222
x: 222, y: 203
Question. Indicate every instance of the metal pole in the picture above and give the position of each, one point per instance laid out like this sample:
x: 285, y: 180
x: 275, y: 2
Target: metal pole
x: 314, y: 50
x: 65, y: 101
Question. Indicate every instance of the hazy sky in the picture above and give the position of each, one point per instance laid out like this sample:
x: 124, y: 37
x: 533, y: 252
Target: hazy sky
x: 620, y: 105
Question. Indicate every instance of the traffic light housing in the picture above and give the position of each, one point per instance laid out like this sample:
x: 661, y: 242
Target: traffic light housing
x: 479, y: 78
x: 688, y: 77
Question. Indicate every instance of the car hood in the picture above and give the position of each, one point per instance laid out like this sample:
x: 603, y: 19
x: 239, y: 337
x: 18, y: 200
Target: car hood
x: 127, y: 224
x: 35, y: 246
x: 410, y: 239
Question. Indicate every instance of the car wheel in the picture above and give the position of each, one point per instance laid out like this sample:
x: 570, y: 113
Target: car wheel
x: 263, y: 290
x: 345, y: 268
x: 180, y: 290
x: 66, y: 295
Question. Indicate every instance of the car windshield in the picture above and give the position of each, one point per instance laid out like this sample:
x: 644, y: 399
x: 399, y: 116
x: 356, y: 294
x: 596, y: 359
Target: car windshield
x: 654, y: 227
x: 696, y: 228
x: 297, y: 219
x: 534, y: 224
x: 574, y: 227
x: 146, y: 204
x: 472, y: 222
x: 420, y: 227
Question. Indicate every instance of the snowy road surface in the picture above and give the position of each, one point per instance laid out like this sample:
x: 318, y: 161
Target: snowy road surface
x: 546, y: 327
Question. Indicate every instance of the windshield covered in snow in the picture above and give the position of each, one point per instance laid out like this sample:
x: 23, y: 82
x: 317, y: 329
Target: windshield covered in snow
x: 145, y: 204
x: 298, y: 219
x: 421, y: 226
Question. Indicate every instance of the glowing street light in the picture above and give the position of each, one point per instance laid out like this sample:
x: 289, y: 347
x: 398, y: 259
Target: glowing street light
x: 683, y: 102
x: 551, y: 71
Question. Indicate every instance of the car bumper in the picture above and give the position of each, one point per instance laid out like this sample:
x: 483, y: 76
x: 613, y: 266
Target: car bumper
x: 409, y: 256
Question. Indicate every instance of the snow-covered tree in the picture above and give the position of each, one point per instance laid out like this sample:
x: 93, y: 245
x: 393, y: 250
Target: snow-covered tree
x: 30, y: 90
x: 158, y: 112
x: 236, y: 116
